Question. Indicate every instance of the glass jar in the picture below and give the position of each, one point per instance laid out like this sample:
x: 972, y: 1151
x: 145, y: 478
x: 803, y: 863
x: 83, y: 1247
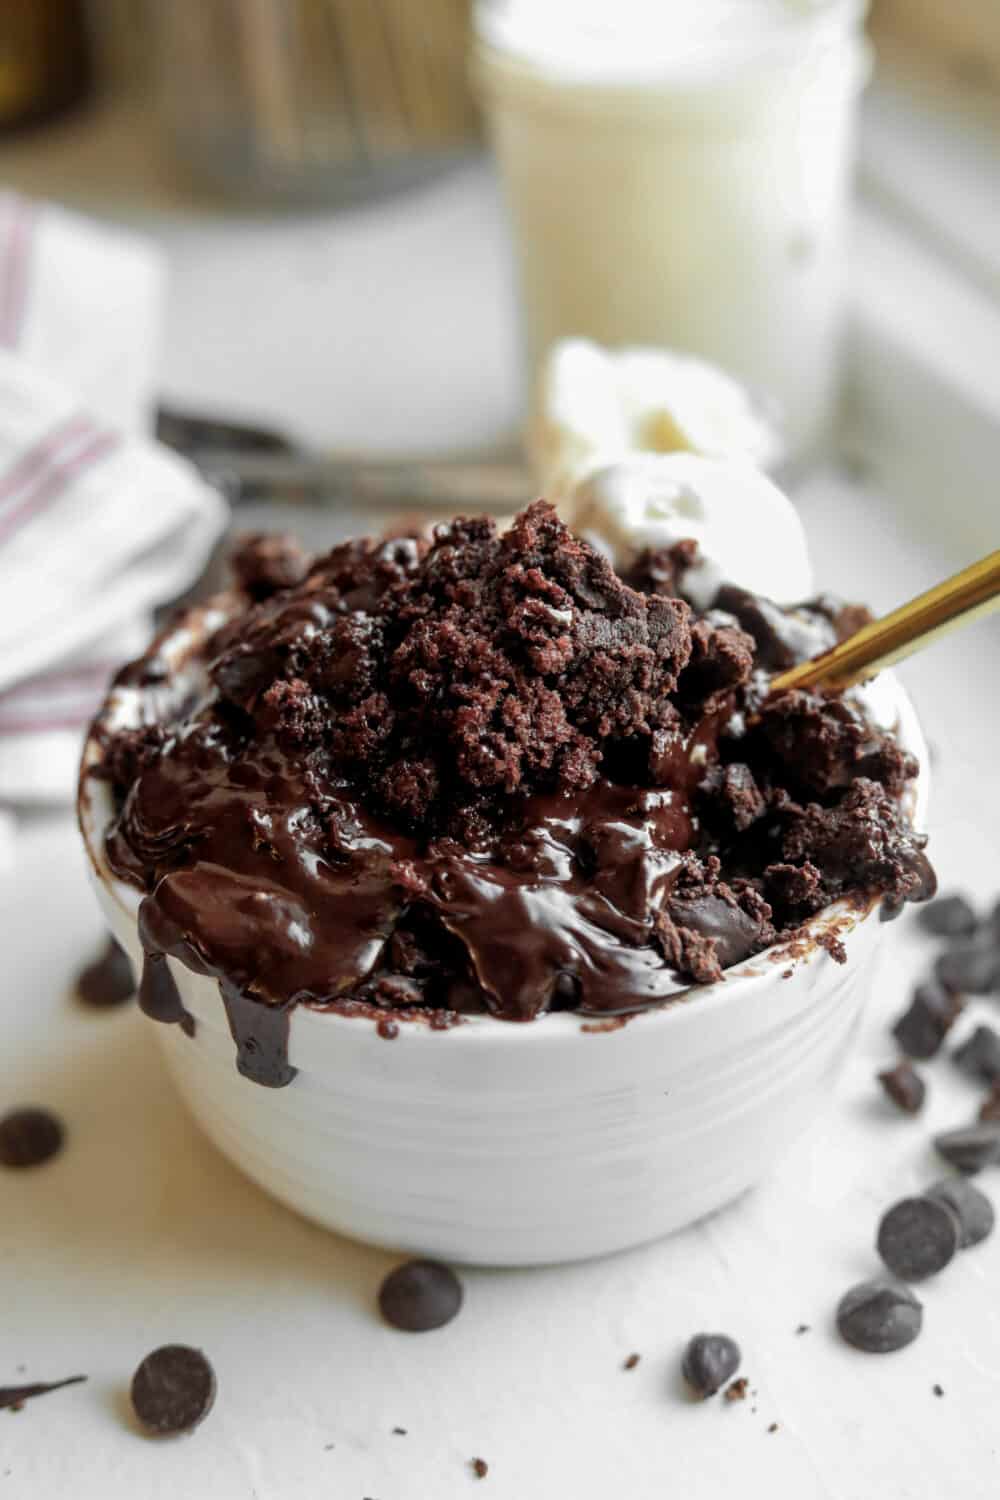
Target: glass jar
x: 678, y: 175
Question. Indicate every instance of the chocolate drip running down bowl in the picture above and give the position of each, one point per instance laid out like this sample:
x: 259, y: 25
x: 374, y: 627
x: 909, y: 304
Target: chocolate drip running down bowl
x: 497, y: 1143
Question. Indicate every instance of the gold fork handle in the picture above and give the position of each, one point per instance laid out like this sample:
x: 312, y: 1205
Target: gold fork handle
x: 973, y: 592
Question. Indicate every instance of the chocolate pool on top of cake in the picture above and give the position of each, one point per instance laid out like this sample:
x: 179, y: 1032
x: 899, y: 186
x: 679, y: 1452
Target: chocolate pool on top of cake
x: 473, y: 772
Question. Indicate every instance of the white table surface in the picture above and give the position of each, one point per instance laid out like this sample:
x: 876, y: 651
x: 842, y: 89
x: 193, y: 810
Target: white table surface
x: 141, y: 1234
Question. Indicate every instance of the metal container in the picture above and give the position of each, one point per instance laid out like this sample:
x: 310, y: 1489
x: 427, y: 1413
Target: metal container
x: 315, y: 101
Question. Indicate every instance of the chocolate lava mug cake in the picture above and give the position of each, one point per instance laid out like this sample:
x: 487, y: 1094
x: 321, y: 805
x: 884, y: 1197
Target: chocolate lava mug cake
x: 537, y: 924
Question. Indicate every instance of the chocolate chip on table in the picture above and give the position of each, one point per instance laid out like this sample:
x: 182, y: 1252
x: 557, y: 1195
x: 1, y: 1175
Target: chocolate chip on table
x: 969, y: 968
x: 979, y: 1056
x: 14, y: 1396
x: 971, y: 1147
x: 173, y: 1390
x: 922, y: 1028
x: 917, y: 1237
x: 108, y: 981
x: 631, y: 1362
x: 948, y: 916
x: 479, y: 1467
x: 29, y: 1137
x: 971, y: 1208
x: 419, y: 1296
x: 879, y: 1317
x: 990, y: 1107
x: 710, y: 1359
x: 904, y: 1086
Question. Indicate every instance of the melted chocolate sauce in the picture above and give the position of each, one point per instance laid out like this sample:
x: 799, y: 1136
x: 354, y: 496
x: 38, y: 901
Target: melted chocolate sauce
x: 485, y: 775
x: 159, y: 997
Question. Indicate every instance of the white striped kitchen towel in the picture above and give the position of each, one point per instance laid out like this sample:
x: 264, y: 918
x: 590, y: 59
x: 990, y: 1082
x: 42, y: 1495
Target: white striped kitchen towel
x: 98, y: 523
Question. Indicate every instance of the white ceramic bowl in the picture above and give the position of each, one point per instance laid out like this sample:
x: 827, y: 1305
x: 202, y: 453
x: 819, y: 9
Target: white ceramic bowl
x: 499, y: 1143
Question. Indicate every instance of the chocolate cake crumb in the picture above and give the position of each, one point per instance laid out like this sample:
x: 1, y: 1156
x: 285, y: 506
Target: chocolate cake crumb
x: 631, y: 1362
x: 399, y: 1432
x: 803, y: 1328
x: 473, y: 772
x: 773, y: 1427
x: 938, y: 1389
x: 480, y: 1467
x: 736, y: 1390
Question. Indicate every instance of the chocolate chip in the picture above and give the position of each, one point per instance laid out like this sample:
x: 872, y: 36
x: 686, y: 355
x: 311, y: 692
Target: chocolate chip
x: 904, y: 1086
x: 972, y: 1209
x: 14, y: 1396
x: 173, y: 1389
x: 879, y: 1317
x: 921, y: 1029
x: 979, y: 1056
x: 108, y: 981
x: 948, y: 916
x: 917, y: 1237
x: 479, y: 1467
x: 631, y: 1362
x: 28, y: 1137
x: 969, y: 968
x: 970, y: 1148
x: 419, y: 1296
x: 990, y: 1107
x: 736, y: 1390
x: 709, y: 1361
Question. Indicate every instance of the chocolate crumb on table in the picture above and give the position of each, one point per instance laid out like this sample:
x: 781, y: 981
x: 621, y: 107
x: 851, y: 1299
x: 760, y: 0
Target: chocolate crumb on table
x: 631, y: 1362
x: 480, y: 1467
x: 736, y: 1390
x: 803, y: 1328
x: 773, y: 1427
x: 937, y: 1389
x: 399, y: 1432
x: 904, y: 1086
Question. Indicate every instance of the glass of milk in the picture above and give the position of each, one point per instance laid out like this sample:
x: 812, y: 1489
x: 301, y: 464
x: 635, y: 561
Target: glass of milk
x: 677, y: 173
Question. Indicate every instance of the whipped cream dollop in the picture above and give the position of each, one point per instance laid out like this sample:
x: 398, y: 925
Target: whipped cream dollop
x: 748, y: 532
x: 594, y: 406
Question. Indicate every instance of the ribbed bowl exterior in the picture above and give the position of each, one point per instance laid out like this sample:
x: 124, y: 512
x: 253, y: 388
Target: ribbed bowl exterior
x: 506, y: 1144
